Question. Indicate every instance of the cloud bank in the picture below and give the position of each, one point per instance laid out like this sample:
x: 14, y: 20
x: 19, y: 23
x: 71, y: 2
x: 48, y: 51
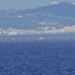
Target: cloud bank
x: 43, y: 30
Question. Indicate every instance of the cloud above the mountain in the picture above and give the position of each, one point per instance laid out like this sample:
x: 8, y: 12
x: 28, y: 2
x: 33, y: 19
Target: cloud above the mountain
x: 54, y: 3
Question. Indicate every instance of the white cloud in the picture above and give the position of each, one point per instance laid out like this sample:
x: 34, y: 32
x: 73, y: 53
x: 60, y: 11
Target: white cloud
x: 42, y: 23
x: 54, y: 3
x: 73, y: 3
x: 53, y: 30
x: 68, y: 29
x: 19, y: 16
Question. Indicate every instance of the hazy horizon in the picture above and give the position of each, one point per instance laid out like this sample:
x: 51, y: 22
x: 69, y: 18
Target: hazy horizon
x: 23, y: 4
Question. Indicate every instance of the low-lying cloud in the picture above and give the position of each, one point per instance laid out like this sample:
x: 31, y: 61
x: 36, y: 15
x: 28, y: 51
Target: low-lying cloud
x: 43, y: 30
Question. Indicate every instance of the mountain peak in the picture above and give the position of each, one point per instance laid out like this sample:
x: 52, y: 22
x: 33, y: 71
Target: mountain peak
x: 65, y: 3
x: 56, y: 16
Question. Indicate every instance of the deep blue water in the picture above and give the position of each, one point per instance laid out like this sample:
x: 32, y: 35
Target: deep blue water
x: 38, y: 57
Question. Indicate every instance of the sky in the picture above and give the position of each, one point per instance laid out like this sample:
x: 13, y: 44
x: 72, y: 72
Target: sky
x: 26, y: 4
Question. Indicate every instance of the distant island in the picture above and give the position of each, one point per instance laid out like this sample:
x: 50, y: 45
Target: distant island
x: 57, y: 18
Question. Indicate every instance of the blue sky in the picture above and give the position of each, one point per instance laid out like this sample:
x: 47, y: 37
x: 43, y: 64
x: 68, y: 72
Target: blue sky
x: 25, y: 4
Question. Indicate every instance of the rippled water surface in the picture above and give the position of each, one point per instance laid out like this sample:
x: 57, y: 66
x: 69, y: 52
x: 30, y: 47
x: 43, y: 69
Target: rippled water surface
x: 39, y: 57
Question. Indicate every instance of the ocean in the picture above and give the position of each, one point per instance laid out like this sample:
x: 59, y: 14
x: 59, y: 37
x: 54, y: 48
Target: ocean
x: 37, y: 55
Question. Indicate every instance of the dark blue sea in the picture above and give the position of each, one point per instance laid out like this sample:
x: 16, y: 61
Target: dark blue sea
x: 37, y: 55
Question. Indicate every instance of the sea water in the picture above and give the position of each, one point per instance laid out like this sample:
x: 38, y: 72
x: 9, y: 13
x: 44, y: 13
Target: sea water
x: 24, y: 55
